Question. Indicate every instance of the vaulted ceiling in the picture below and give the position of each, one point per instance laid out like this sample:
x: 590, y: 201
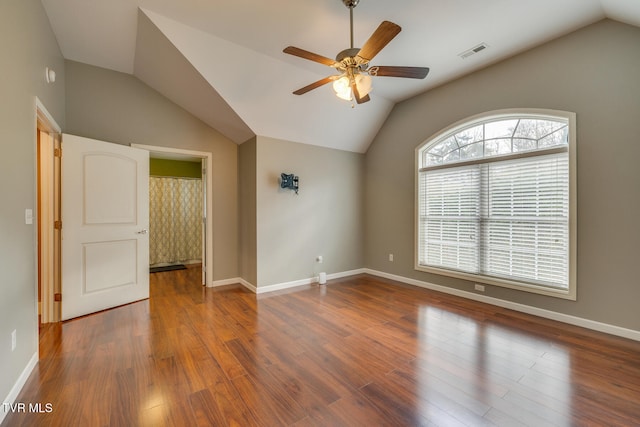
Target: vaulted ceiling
x: 223, y: 61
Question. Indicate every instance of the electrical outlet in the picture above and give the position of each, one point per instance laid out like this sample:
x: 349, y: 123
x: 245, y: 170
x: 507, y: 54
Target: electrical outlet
x: 478, y: 287
x: 13, y: 340
x: 319, y: 259
x: 390, y: 257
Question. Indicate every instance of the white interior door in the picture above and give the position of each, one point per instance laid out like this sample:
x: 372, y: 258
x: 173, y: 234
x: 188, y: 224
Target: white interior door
x: 105, y: 218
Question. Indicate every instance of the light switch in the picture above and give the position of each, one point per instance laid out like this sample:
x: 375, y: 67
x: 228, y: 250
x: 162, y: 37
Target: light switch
x: 28, y: 216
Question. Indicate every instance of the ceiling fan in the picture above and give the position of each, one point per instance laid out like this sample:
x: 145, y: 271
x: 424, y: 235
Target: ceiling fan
x: 354, y: 81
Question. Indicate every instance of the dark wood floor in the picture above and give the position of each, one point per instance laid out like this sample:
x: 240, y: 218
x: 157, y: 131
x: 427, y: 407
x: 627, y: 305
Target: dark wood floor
x: 360, y: 351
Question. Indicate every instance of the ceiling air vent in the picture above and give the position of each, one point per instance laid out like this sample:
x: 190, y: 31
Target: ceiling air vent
x: 473, y: 50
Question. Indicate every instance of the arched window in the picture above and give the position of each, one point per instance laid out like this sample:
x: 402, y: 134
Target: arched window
x: 495, y: 201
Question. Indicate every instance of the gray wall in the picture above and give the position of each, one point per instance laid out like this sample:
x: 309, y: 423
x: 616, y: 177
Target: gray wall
x: 325, y: 218
x: 117, y: 107
x: 247, y: 197
x: 593, y: 72
x: 28, y: 46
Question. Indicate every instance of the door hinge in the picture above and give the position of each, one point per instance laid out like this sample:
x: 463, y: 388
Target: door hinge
x: 57, y: 225
x: 57, y: 297
x: 57, y: 152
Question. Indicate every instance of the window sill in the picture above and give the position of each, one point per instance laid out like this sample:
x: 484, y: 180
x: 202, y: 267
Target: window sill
x: 569, y: 294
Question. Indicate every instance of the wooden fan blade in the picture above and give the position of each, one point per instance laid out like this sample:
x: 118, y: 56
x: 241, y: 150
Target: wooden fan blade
x: 356, y: 94
x: 378, y: 40
x: 363, y: 100
x: 296, y: 51
x: 315, y: 85
x: 409, y: 72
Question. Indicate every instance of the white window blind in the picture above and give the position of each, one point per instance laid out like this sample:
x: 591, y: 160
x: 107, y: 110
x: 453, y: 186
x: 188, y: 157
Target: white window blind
x: 504, y: 217
x: 525, y: 219
x: 449, y: 218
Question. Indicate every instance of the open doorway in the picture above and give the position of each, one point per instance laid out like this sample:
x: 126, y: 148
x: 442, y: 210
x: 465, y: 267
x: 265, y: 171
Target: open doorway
x: 203, y: 160
x: 175, y: 214
x: 48, y: 135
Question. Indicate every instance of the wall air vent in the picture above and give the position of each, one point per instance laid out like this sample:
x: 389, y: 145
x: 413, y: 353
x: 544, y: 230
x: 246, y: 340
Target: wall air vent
x: 473, y: 50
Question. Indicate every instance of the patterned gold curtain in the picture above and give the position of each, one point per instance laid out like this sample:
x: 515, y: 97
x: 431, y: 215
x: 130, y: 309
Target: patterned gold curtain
x: 175, y: 220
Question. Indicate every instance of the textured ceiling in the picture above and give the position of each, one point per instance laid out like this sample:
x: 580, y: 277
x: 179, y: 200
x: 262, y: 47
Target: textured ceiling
x: 223, y: 61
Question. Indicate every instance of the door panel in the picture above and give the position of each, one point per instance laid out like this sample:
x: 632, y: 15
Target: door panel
x: 105, y: 214
x: 109, y: 265
x: 112, y: 201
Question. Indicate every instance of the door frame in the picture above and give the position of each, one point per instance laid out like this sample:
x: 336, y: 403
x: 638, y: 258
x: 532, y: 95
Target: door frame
x: 207, y: 161
x: 44, y: 121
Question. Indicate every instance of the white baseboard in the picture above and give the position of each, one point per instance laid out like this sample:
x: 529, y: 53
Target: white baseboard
x: 232, y: 281
x: 22, y: 379
x: 306, y: 281
x: 540, y: 312
x: 285, y: 285
x: 224, y: 282
x: 247, y: 285
x: 346, y: 273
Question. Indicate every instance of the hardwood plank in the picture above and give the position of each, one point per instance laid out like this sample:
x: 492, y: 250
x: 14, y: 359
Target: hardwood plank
x: 437, y: 386
x: 205, y: 409
x: 316, y: 376
x: 361, y: 350
x: 266, y: 402
x: 356, y: 409
x: 306, y: 391
x: 230, y: 405
x: 412, y: 394
x: 224, y: 358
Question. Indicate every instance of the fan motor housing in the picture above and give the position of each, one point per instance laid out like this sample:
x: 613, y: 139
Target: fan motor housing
x: 347, y: 53
x: 351, y: 3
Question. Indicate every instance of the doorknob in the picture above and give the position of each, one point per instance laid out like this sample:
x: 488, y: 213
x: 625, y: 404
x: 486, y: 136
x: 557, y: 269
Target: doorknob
x: 143, y: 231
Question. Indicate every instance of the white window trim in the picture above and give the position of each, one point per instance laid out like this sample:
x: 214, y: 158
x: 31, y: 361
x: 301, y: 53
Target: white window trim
x: 571, y: 292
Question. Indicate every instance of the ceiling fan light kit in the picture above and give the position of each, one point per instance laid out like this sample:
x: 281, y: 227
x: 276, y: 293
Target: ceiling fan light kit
x: 354, y: 80
x: 343, y: 90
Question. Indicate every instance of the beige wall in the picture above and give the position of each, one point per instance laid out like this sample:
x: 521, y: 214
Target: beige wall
x: 592, y: 72
x: 117, y: 107
x: 325, y: 218
x: 28, y: 46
